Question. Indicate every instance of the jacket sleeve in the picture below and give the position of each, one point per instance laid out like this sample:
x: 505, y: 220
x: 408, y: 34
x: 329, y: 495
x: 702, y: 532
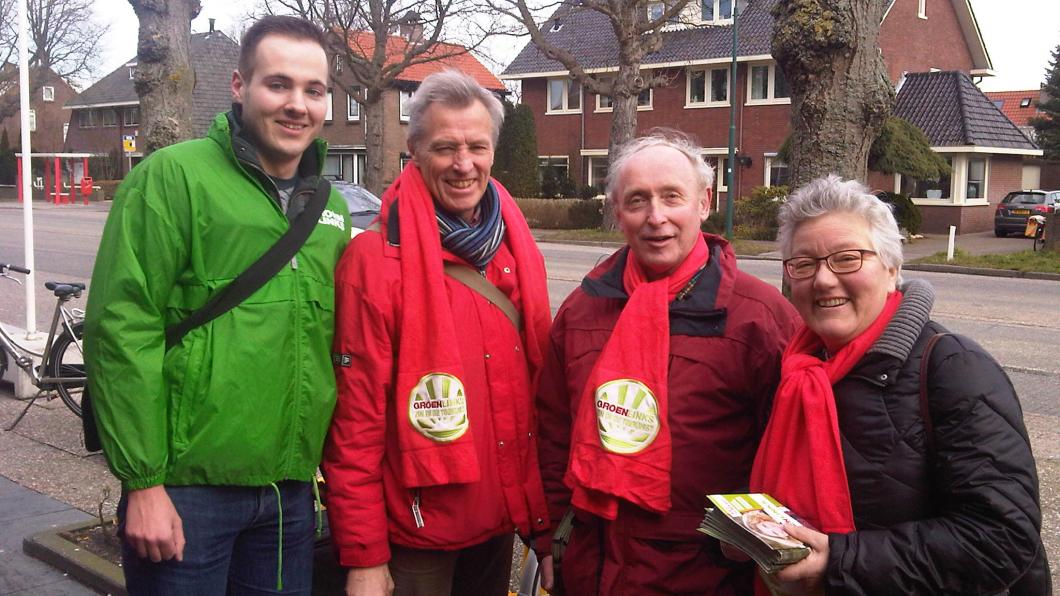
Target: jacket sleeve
x: 353, y: 455
x: 985, y: 534
x: 554, y: 428
x: 142, y: 252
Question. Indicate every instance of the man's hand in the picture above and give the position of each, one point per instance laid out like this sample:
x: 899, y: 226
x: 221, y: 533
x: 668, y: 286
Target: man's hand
x: 369, y: 581
x: 152, y: 525
x: 806, y: 576
x: 548, y: 576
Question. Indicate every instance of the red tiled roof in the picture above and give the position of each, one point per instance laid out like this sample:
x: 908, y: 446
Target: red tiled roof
x: 1011, y: 102
x: 453, y: 56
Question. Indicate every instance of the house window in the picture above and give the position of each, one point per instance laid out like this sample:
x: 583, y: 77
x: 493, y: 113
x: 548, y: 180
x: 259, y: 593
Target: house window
x: 353, y: 109
x: 66, y: 129
x: 32, y: 120
x: 656, y: 11
x: 767, y: 85
x: 720, y: 175
x: 329, y: 114
x: 1025, y: 102
x: 404, y: 97
x: 49, y: 93
x: 716, y: 10
x: 708, y: 87
x: 109, y: 117
x: 976, y: 178
x: 921, y: 10
x: 606, y: 104
x: 564, y: 96
x: 777, y: 172
x: 131, y: 116
x: 404, y: 159
x: 360, y: 159
x: 926, y: 189
x: 86, y: 118
x: 333, y: 166
x: 597, y: 170
x: 559, y: 164
x: 132, y: 70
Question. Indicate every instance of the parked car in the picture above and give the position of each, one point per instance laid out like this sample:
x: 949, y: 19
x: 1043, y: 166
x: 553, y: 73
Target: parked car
x: 363, y: 205
x: 1013, y: 210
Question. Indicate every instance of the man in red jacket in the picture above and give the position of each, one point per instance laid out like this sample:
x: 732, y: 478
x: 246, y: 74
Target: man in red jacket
x: 657, y: 386
x: 441, y: 324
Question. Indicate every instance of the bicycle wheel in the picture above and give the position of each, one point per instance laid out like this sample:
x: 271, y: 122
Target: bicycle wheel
x: 1039, y: 241
x: 67, y: 361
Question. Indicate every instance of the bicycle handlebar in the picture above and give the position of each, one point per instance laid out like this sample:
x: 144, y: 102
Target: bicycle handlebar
x: 14, y: 268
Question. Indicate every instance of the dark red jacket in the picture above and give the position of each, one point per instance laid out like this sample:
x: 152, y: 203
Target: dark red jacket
x: 367, y: 504
x: 727, y: 337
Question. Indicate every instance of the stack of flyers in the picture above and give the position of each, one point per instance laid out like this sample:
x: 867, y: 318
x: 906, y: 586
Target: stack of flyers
x: 753, y: 523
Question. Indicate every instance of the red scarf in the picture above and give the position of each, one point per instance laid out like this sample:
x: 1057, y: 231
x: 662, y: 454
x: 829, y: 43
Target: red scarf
x: 439, y: 448
x: 620, y: 444
x: 800, y: 458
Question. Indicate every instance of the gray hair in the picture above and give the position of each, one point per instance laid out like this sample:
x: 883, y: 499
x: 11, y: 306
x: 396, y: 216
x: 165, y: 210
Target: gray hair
x: 832, y: 194
x: 659, y: 137
x: 452, y: 89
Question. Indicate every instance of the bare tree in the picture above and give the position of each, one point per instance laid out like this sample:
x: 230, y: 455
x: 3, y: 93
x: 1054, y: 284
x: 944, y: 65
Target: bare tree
x: 164, y: 76
x: 637, y: 34
x: 63, y: 36
x: 841, y: 96
x: 368, y: 55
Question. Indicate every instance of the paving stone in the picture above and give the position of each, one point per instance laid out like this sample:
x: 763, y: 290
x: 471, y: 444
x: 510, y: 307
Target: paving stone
x: 21, y: 572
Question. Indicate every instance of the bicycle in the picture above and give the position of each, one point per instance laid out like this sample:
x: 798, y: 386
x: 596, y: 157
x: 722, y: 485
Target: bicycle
x: 62, y: 369
x: 1036, y: 230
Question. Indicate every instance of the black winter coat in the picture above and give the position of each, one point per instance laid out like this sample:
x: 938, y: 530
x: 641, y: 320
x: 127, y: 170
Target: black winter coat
x: 962, y: 520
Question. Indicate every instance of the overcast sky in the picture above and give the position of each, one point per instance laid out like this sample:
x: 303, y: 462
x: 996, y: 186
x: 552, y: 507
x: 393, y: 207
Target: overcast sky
x: 1020, y: 36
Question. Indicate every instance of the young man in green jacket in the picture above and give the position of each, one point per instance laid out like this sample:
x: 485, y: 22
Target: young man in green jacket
x: 216, y: 440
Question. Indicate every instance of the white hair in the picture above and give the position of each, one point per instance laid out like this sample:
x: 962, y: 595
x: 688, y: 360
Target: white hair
x: 659, y: 137
x: 832, y: 194
x: 452, y: 89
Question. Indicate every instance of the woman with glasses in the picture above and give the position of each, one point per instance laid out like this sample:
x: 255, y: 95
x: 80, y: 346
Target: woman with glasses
x: 916, y: 472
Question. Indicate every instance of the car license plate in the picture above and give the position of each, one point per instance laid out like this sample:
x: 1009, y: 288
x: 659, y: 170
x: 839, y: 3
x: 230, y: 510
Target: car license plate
x: 1020, y: 211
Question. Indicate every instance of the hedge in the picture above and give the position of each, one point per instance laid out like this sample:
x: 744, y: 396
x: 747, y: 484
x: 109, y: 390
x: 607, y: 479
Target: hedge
x: 562, y: 214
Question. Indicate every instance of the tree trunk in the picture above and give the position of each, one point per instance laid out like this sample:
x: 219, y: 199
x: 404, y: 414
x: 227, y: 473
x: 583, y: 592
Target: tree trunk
x: 623, y: 125
x: 841, y: 95
x: 164, y: 77
x: 373, y: 143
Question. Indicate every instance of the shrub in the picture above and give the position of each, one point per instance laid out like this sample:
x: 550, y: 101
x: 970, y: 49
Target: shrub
x: 905, y: 210
x: 715, y: 223
x: 590, y: 191
x: 562, y: 214
x: 755, y: 217
x: 515, y: 161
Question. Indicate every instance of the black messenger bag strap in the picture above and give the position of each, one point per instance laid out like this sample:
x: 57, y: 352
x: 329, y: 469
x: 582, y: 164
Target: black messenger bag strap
x: 264, y: 269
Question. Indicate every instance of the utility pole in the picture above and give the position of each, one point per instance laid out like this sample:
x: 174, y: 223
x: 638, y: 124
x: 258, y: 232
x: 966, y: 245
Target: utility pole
x: 729, y: 170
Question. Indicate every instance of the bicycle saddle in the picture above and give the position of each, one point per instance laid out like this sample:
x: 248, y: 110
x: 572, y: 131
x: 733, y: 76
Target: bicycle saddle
x: 65, y: 289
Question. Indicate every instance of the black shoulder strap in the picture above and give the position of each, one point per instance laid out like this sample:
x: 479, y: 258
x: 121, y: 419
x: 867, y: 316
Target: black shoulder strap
x: 925, y: 410
x: 264, y: 269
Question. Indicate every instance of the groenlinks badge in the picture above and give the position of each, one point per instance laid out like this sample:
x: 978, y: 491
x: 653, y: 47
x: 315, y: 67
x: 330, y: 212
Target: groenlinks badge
x: 438, y: 407
x: 627, y: 416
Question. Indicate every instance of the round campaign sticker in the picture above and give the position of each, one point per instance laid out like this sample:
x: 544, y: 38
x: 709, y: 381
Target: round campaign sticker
x: 627, y: 416
x: 438, y: 407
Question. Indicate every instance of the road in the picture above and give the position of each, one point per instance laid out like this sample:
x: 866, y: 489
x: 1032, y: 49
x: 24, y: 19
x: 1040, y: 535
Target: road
x: 1016, y: 320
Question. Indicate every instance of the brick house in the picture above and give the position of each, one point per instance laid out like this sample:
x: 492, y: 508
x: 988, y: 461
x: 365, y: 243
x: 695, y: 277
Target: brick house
x: 1020, y: 107
x: 344, y: 127
x: 110, y: 109
x: 47, y: 120
x: 915, y: 36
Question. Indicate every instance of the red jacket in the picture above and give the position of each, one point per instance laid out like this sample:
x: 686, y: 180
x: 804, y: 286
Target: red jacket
x: 367, y: 504
x: 727, y: 337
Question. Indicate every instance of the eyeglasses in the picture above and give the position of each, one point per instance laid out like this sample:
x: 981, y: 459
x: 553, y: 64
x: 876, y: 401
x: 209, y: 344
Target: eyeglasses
x: 842, y: 262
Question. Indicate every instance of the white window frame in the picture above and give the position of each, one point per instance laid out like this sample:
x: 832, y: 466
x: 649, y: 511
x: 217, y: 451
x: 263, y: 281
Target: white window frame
x: 66, y: 129
x: 768, y: 166
x: 985, y: 182
x: 589, y: 169
x: 708, y: 84
x: 48, y: 93
x: 353, y: 109
x: 566, y: 96
x: 32, y: 120
x: 126, y: 120
x: 331, y: 105
x: 404, y: 97
x: 548, y: 159
x: 600, y: 107
x: 771, y: 80
x: 103, y: 117
x: 921, y: 9
x: 717, y: 10
x: 720, y: 175
x: 86, y: 118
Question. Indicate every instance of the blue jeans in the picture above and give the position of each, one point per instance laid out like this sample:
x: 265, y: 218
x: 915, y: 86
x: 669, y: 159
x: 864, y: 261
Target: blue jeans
x: 232, y: 536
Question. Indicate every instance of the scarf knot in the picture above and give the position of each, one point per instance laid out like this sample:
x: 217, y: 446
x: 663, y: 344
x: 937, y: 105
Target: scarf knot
x: 475, y: 243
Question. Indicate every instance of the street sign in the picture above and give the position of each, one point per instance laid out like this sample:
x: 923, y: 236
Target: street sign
x: 128, y: 143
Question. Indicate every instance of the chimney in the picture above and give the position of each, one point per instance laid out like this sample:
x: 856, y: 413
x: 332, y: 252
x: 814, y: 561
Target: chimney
x: 211, y: 24
x: 410, y: 26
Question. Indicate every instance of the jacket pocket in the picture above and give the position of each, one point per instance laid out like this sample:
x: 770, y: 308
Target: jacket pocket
x: 188, y: 395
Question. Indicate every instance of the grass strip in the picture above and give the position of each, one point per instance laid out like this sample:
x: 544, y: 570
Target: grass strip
x: 1028, y: 260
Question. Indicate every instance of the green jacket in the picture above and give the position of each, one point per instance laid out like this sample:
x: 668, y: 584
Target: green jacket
x: 247, y: 398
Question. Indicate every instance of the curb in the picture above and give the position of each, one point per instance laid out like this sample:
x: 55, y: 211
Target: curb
x: 982, y: 271
x: 85, y: 567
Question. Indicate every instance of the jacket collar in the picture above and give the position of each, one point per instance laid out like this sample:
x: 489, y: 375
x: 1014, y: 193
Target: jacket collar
x: 227, y: 130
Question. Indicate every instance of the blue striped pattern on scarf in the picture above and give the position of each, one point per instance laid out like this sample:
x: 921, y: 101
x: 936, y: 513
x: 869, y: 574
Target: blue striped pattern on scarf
x: 477, y: 243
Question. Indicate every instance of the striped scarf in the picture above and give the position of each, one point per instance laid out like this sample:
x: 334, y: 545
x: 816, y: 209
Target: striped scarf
x: 475, y: 243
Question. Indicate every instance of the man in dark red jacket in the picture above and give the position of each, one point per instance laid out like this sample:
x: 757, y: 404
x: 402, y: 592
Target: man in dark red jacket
x: 441, y: 326
x: 657, y: 386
